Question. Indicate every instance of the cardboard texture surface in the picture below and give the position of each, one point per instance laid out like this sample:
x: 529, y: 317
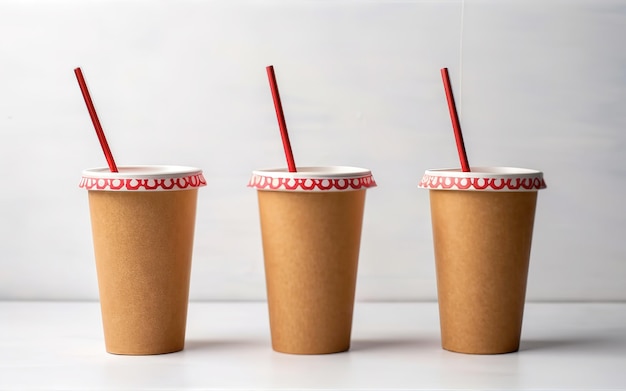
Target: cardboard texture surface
x: 311, y: 246
x: 143, y: 246
x: 482, y: 248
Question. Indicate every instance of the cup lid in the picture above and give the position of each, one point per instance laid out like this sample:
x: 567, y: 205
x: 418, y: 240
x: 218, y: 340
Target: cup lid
x: 142, y: 178
x: 313, y: 179
x: 483, y: 179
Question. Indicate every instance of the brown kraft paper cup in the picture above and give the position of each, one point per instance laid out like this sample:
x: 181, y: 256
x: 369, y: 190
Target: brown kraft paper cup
x: 143, y: 221
x: 311, y: 231
x: 482, y: 230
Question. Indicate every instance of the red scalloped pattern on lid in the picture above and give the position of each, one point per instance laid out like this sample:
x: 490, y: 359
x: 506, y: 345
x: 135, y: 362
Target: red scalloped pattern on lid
x: 124, y: 184
x: 261, y: 182
x: 436, y: 182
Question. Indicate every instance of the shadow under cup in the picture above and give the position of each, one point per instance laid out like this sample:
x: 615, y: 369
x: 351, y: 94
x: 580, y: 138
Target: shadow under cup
x: 482, y: 231
x: 311, y: 232
x: 143, y: 221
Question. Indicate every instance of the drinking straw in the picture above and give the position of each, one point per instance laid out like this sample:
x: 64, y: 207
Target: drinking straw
x: 96, y: 122
x: 291, y: 164
x: 460, y: 146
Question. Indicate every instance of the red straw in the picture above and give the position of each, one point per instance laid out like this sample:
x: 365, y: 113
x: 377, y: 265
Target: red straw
x: 460, y: 146
x: 95, y: 120
x: 281, y: 119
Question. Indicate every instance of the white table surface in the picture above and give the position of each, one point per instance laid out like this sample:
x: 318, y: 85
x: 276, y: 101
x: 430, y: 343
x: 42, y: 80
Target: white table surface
x: 59, y: 345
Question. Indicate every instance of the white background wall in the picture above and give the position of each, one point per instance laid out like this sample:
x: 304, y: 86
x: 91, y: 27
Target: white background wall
x: 540, y: 84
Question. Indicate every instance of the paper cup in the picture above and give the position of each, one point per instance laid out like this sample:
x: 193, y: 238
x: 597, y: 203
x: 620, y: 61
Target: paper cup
x: 482, y: 230
x: 311, y: 230
x: 143, y: 220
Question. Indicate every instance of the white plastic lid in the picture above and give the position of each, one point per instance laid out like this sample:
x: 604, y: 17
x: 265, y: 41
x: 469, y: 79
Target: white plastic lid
x: 483, y: 179
x: 142, y: 178
x: 313, y: 179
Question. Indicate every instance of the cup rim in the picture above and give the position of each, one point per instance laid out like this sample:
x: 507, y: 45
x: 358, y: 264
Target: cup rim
x: 143, y: 178
x: 314, y: 172
x: 486, y: 178
x: 146, y: 171
x: 313, y: 179
x: 485, y: 172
